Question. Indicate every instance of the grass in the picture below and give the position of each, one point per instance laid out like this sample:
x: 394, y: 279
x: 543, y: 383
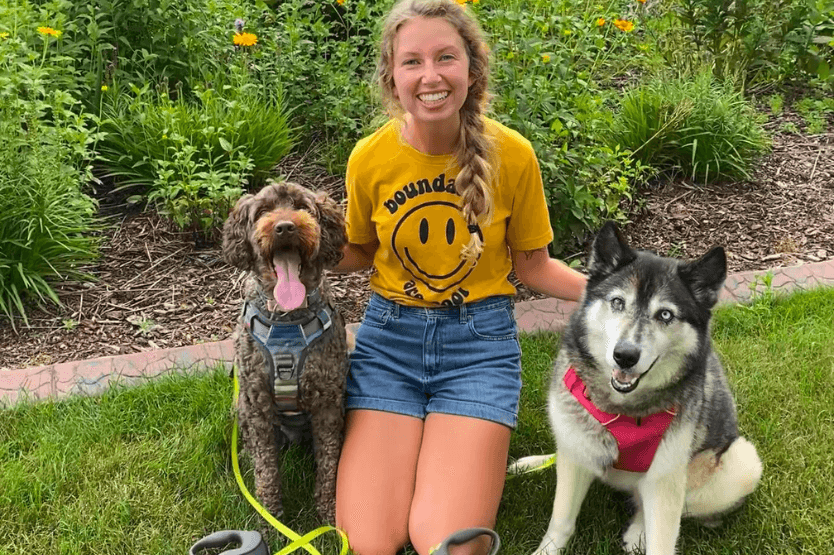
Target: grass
x: 147, y: 470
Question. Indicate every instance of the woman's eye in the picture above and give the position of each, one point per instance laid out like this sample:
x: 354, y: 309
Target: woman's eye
x: 617, y: 304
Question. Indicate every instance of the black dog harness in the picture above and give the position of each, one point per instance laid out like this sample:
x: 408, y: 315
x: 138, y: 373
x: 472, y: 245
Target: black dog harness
x: 285, y: 338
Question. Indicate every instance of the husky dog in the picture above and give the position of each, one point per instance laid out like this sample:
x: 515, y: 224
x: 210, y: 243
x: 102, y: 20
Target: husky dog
x: 639, y: 398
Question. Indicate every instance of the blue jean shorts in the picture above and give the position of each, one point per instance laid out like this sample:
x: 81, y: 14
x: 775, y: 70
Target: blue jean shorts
x: 463, y: 360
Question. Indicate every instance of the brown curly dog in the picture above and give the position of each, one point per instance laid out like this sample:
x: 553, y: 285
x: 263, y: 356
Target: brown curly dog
x: 290, y: 345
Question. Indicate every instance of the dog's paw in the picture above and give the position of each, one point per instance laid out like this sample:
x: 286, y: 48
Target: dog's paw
x: 634, y: 539
x: 551, y: 544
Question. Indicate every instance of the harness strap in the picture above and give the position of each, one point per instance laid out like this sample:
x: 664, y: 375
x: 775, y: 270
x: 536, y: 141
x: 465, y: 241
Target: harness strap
x: 287, y: 340
x: 637, y: 439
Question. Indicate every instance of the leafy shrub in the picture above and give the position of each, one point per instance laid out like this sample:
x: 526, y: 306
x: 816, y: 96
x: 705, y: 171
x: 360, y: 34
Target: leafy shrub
x: 696, y: 127
x: 548, y: 64
x: 45, y: 148
x: 325, y: 56
x: 815, y: 112
x: 759, y: 40
x: 194, y: 158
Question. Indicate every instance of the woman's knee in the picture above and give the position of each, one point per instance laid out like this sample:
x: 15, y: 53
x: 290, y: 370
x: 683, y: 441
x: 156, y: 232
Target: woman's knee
x: 425, y: 538
x: 371, y: 540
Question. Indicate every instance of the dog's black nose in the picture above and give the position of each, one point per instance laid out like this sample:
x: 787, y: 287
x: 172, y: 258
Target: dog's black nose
x: 283, y: 229
x: 626, y: 354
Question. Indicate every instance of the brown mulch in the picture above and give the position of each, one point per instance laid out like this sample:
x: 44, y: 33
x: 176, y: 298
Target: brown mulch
x: 155, y: 289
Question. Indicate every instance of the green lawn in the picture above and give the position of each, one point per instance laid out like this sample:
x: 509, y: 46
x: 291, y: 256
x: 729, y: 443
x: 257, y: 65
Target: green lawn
x: 147, y: 470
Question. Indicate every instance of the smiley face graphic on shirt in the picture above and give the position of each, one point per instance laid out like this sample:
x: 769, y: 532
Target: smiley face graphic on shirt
x: 428, y: 240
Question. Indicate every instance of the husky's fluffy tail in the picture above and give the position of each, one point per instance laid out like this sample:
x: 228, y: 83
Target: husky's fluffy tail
x: 728, y: 483
x: 531, y: 464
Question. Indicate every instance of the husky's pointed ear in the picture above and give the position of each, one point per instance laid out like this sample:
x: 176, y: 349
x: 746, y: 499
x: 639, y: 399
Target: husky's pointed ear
x: 609, y: 251
x: 705, y: 276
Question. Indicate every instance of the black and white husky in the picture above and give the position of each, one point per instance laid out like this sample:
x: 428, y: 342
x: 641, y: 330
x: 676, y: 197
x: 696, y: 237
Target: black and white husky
x: 639, y: 398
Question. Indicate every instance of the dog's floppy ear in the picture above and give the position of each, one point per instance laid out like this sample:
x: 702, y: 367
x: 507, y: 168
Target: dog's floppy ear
x: 705, y: 276
x: 333, y: 234
x: 236, y: 248
x: 609, y: 251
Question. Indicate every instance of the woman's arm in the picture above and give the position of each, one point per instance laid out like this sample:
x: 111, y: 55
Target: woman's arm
x: 356, y: 257
x: 546, y: 275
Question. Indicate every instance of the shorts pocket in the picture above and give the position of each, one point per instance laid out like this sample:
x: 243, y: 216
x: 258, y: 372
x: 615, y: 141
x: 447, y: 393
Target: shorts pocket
x: 493, y: 325
x: 376, y: 316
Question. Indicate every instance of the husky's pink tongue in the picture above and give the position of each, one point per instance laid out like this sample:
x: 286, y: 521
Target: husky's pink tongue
x: 289, y: 292
x: 622, y: 377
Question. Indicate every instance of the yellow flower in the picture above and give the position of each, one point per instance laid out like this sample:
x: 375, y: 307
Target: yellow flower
x: 624, y: 25
x: 462, y: 2
x: 600, y: 22
x: 476, y: 1
x: 245, y: 39
x: 642, y: 1
x: 104, y: 87
x: 546, y: 58
x: 49, y: 31
x: 4, y: 35
x: 340, y: 2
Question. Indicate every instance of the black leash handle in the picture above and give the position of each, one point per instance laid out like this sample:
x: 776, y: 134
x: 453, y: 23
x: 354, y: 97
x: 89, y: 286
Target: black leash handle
x: 465, y: 535
x: 250, y: 542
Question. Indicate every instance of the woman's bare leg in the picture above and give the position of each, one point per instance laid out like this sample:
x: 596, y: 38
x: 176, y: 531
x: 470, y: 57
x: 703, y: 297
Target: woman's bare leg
x: 460, y: 478
x: 375, y: 480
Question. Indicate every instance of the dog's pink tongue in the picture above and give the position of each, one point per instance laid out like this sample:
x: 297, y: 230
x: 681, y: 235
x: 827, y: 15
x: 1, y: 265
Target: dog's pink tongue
x: 289, y: 292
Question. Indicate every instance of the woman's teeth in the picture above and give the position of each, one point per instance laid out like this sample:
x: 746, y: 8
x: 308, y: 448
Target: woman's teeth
x: 434, y: 97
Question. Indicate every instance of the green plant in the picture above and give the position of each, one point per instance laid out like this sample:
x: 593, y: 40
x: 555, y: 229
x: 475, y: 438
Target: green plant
x: 776, y: 102
x: 550, y: 61
x: 756, y: 40
x: 45, y: 152
x: 697, y: 127
x: 324, y: 57
x: 815, y: 112
x: 197, y: 194
x: 764, y: 299
x: 789, y: 127
x: 243, y: 119
x: 677, y: 250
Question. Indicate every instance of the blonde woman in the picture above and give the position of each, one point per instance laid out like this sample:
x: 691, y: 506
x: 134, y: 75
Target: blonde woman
x: 443, y: 202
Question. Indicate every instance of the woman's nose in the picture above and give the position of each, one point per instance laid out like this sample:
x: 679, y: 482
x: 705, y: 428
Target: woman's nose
x: 429, y: 73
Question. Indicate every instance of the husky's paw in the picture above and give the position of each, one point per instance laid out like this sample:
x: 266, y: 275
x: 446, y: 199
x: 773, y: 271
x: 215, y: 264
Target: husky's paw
x: 634, y: 539
x: 552, y: 544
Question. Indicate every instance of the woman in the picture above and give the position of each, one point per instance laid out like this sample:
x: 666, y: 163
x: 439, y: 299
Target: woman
x: 443, y: 202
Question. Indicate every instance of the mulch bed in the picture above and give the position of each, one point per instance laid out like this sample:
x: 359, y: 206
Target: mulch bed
x: 156, y: 289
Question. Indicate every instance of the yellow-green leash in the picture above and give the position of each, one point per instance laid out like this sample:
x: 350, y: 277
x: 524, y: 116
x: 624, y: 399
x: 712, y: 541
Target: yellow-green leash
x: 297, y: 541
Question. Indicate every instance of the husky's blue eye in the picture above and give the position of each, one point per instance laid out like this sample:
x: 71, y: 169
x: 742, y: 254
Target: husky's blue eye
x: 617, y: 304
x: 665, y: 316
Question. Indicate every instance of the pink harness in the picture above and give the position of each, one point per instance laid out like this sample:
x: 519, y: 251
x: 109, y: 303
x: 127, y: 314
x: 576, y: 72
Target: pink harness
x: 637, y: 441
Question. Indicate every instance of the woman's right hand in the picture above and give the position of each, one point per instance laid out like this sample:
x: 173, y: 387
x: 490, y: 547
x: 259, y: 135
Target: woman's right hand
x: 356, y: 257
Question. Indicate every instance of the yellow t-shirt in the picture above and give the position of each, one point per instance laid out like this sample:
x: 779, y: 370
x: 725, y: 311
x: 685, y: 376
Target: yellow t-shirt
x: 406, y: 200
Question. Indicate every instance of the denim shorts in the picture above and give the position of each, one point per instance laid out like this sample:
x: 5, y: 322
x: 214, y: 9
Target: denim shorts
x: 463, y: 360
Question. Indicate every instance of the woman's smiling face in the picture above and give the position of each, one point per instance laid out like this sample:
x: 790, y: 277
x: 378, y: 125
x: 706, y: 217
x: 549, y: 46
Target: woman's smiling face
x: 431, y: 71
